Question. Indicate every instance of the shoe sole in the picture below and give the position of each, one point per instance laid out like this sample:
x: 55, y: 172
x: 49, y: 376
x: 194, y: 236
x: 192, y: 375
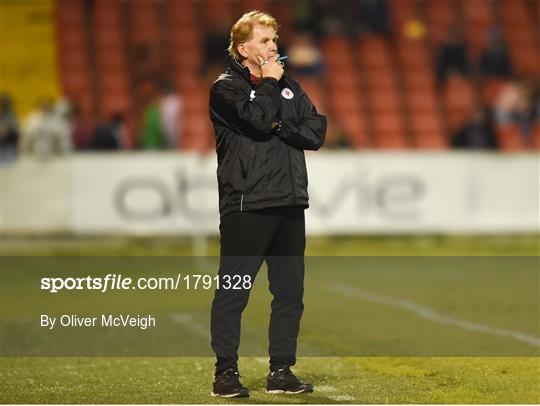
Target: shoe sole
x: 231, y: 395
x: 287, y: 392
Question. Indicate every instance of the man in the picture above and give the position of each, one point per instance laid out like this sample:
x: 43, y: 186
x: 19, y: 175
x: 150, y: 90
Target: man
x: 263, y: 123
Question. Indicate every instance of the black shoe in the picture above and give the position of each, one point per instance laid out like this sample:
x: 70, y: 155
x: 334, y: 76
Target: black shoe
x: 227, y: 385
x: 284, y: 381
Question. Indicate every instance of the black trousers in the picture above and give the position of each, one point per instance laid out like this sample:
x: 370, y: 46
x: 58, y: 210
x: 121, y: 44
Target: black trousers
x: 277, y: 236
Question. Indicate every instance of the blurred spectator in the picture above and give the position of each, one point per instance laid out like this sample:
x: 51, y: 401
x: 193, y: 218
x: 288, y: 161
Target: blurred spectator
x: 148, y: 69
x: 215, y: 47
x: 216, y: 43
x: 354, y: 17
x: 152, y: 136
x: 452, y: 56
x: 495, y: 60
x: 47, y: 130
x: 148, y: 65
x: 81, y: 131
x: 519, y: 103
x: 306, y: 16
x: 170, y: 107
x: 477, y: 133
x: 9, y: 130
x: 340, y: 17
x: 338, y: 139
x: 305, y: 59
x: 111, y: 136
x: 374, y: 16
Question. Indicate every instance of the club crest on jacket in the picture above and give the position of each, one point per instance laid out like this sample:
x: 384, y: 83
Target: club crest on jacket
x: 287, y: 93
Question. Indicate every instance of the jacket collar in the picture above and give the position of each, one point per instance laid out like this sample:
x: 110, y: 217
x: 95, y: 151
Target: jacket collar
x: 240, y: 69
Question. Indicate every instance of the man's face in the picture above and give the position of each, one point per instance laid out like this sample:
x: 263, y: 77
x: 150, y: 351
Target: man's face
x: 263, y: 44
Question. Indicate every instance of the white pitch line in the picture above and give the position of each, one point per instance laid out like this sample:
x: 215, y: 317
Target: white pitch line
x: 186, y: 319
x: 330, y: 392
x: 432, y: 315
x: 340, y: 398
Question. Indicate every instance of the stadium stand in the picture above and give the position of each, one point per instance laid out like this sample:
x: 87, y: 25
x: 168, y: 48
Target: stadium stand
x: 380, y: 89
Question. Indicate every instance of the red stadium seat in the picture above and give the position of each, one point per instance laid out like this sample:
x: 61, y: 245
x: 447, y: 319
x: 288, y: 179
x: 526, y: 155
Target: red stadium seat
x: 345, y: 102
x: 182, y: 14
x: 343, y: 80
x: 510, y: 138
x: 114, y: 81
x: 414, y: 56
x: 145, y: 21
x: 441, y: 15
x: 418, y: 80
x: 428, y: 131
x: 114, y: 103
x: 513, y: 10
x: 383, y: 79
x: 312, y: 87
x: 389, y: 129
x: 491, y: 89
x: 354, y: 127
x: 526, y: 60
x: 374, y: 53
x: 422, y: 101
x: 403, y: 10
x: 215, y: 12
x: 431, y: 141
x: 337, y: 53
x: 197, y: 132
x: 460, y: 98
x: 384, y: 101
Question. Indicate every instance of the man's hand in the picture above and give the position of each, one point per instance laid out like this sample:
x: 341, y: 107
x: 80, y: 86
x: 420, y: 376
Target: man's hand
x: 271, y: 68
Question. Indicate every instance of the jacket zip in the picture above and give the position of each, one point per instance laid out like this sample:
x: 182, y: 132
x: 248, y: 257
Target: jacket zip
x: 241, y: 203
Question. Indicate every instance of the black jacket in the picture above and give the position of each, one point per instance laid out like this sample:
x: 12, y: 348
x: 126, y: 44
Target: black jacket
x: 261, y: 134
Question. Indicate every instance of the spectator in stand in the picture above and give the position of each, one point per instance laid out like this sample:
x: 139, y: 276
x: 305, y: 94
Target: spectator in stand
x: 170, y: 107
x: 477, y: 133
x: 511, y: 101
x: 148, y: 69
x: 306, y: 16
x: 152, y: 136
x: 305, y: 59
x: 340, y: 17
x: 354, y: 17
x: 374, y: 16
x: 215, y: 46
x: 148, y: 65
x: 81, y: 131
x: 519, y: 103
x: 495, y: 60
x: 111, y: 136
x: 47, y: 131
x: 452, y: 56
x: 338, y: 139
x: 9, y: 131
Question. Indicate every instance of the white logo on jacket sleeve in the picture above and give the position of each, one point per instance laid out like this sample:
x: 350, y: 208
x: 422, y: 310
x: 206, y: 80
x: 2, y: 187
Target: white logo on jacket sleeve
x: 287, y: 93
x: 252, y: 95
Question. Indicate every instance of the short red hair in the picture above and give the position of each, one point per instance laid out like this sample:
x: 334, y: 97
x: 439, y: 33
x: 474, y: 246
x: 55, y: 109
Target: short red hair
x: 242, y: 30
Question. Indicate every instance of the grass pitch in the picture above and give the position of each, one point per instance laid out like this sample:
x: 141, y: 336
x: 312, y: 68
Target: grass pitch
x: 338, y: 380
x: 508, y: 304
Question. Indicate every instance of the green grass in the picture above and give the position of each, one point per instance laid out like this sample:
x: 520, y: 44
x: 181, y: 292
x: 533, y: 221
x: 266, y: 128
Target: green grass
x: 499, y: 292
x: 316, y: 246
x: 337, y: 380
